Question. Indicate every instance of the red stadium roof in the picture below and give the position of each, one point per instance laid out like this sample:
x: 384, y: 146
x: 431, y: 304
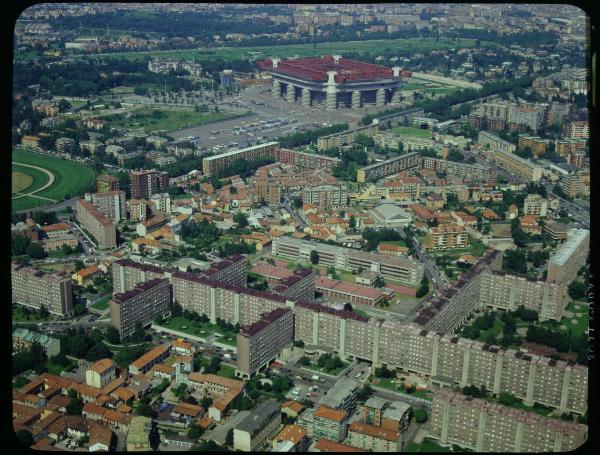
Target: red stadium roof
x: 315, y: 69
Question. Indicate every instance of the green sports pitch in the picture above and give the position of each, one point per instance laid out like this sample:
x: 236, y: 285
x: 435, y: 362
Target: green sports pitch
x: 70, y: 179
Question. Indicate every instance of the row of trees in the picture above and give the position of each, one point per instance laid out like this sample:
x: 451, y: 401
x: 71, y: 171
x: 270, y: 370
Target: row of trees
x: 308, y: 137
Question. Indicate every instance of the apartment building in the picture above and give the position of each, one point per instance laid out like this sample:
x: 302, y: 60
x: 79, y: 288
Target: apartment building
x: 305, y: 160
x: 224, y: 391
x: 343, y: 396
x: 146, y: 183
x: 97, y: 224
x: 127, y: 274
x: 232, y: 270
x: 326, y: 195
x: 388, y: 167
x: 22, y: 339
x: 329, y: 423
x: 213, y: 164
x: 535, y: 204
x: 483, y: 426
x: 261, y: 342
x: 373, y: 438
x: 34, y: 288
x: 254, y: 431
x: 398, y: 269
x: 142, y: 303
x: 100, y: 373
x: 470, y: 172
x: 576, y: 183
x: 564, y: 264
x: 556, y: 231
x: 30, y: 142
x: 406, y: 188
x: 138, y: 209
x: 494, y: 143
x: 447, y: 237
x: 347, y: 137
x: 506, y: 292
x: 566, y: 147
x: 532, y: 116
x: 298, y: 286
x: 160, y: 202
x: 154, y: 356
x: 235, y: 304
x: 537, y: 145
x: 110, y: 203
x: 577, y: 130
x: 449, y: 309
x: 64, y: 145
x: 105, y: 183
x: 395, y: 415
x: 517, y: 165
x: 494, y: 110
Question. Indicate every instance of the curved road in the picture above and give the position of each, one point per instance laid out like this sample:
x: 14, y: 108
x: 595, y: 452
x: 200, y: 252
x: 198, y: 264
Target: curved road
x: 51, y: 179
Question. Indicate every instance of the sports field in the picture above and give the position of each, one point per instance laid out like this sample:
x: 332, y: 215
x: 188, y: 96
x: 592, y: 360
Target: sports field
x: 66, y: 178
x: 302, y: 50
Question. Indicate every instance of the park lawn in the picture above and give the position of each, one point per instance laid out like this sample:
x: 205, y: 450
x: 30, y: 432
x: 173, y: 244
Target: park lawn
x: 394, y: 242
x: 226, y: 371
x: 347, y: 277
x: 428, y: 445
x: 18, y: 316
x: 495, y: 330
x: 411, y: 131
x: 335, y: 372
x: 102, y: 304
x: 302, y: 50
x: 386, y: 383
x: 575, y: 329
x: 224, y: 340
x: 152, y: 119
x: 71, y: 178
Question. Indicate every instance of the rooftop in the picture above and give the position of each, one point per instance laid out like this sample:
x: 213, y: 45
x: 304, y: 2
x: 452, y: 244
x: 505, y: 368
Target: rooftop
x: 261, y: 415
x: 329, y: 413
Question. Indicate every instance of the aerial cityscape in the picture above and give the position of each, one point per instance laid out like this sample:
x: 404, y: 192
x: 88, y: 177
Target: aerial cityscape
x: 300, y: 227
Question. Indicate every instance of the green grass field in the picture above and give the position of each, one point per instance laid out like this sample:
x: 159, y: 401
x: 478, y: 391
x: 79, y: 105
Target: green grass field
x: 410, y: 131
x: 302, y: 50
x: 426, y: 446
x: 184, y: 325
x: 166, y: 119
x: 226, y: 371
x: 71, y: 178
x: 102, y: 304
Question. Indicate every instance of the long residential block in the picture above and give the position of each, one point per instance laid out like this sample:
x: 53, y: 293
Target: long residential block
x: 375, y: 171
x: 92, y: 219
x: 215, y: 163
x: 569, y: 257
x: 483, y: 426
x: 506, y: 292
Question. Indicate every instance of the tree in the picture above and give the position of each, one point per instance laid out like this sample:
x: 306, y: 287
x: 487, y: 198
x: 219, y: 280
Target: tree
x: 423, y: 288
x: 176, y: 310
x: 420, y: 416
x: 241, y: 219
x: 379, y: 282
x: 75, y: 405
x: 314, y: 257
x: 43, y: 312
x: 229, y: 438
x: 364, y: 393
x: 298, y: 202
x: 97, y: 352
x: 577, y: 290
x: 25, y: 437
x: 35, y: 251
x: 206, y: 402
x: 193, y: 432
x: 348, y: 306
x: 138, y: 332
x: 352, y: 222
x: 112, y: 335
x: 304, y: 360
x: 144, y: 409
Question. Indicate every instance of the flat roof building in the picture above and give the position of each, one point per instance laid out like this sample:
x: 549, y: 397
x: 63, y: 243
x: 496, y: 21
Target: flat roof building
x: 261, y: 342
x: 252, y: 432
x: 34, y: 289
x: 569, y: 257
x: 92, y: 219
x: 141, y: 304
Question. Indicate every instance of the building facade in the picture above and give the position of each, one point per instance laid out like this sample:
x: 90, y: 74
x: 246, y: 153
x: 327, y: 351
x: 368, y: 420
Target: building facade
x: 110, y: 203
x: 34, y: 289
x: 92, y: 219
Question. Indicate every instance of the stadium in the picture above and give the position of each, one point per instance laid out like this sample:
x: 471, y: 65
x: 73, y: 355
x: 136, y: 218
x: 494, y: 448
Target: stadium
x: 334, y: 82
